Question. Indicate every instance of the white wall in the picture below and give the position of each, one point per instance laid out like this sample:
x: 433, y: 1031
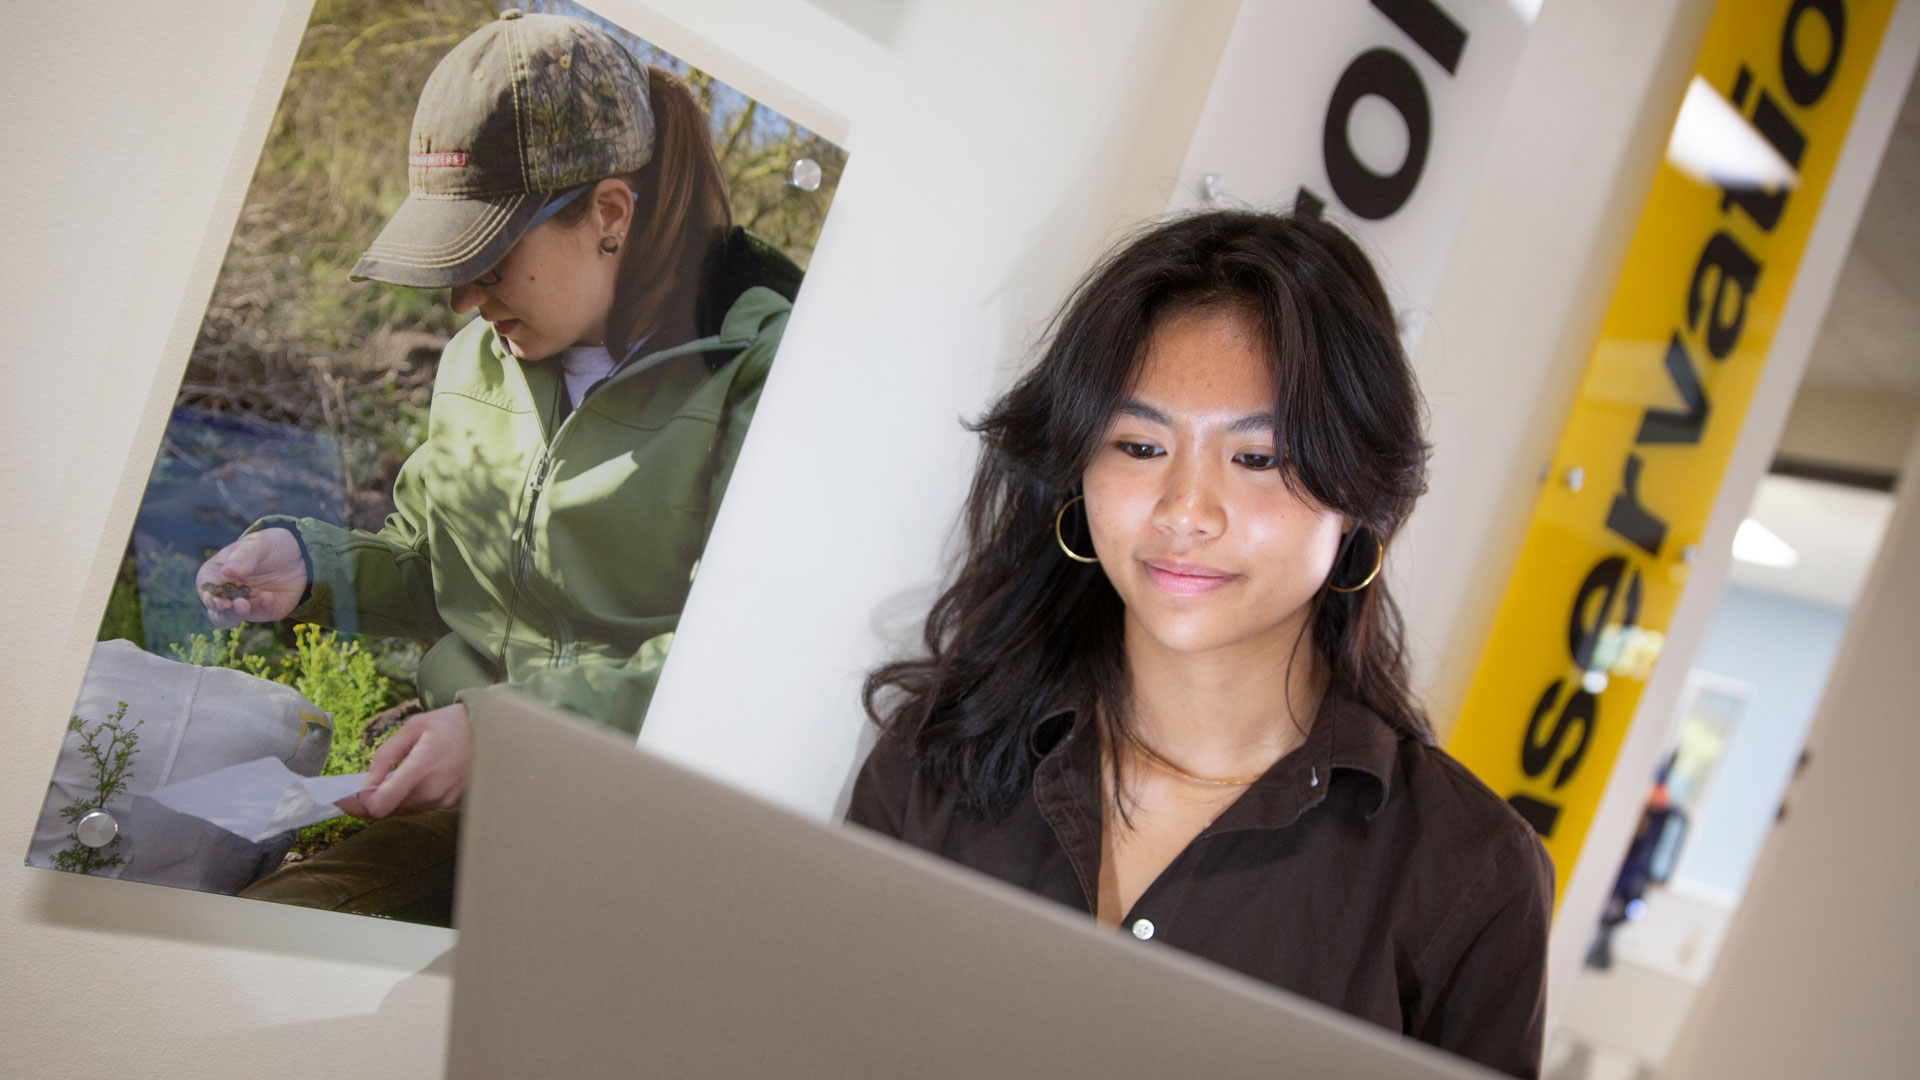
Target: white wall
x: 1783, y: 648
x: 995, y: 152
x: 1822, y: 965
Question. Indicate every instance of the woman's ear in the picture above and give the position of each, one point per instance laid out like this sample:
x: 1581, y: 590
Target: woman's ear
x: 612, y: 208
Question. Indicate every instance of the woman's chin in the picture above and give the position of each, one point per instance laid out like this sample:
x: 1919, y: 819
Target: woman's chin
x: 1196, y: 633
x: 522, y: 350
x: 1185, y: 632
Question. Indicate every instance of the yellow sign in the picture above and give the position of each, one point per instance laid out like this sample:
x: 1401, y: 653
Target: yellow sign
x: 1666, y: 389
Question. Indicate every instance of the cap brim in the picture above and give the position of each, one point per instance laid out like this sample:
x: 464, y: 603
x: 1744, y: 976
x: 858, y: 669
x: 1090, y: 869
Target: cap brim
x: 434, y: 243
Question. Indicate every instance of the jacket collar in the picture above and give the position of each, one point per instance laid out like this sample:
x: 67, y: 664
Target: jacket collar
x: 752, y: 312
x: 743, y: 324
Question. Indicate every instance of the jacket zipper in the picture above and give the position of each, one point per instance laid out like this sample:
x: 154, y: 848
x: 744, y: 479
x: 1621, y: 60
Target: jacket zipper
x: 563, y: 653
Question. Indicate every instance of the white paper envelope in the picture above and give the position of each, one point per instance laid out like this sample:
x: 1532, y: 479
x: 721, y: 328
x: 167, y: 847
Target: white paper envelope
x: 260, y: 798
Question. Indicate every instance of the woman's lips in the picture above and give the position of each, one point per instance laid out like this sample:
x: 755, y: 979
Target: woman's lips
x: 1185, y: 579
x: 506, y: 327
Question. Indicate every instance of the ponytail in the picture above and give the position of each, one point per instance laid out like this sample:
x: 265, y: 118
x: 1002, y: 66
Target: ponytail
x: 681, y: 217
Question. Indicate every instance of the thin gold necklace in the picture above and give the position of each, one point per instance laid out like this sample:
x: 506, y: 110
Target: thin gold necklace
x: 1227, y: 781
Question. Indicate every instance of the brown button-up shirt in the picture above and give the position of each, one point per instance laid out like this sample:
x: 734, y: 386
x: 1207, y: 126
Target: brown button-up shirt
x: 1363, y: 870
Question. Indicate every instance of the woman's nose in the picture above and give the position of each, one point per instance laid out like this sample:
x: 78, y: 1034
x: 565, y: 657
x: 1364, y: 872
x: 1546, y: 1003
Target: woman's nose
x: 466, y: 298
x: 1190, y: 506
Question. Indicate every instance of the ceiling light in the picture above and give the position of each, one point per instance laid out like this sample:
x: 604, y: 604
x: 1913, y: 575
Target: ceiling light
x: 1757, y: 544
x: 1528, y: 10
x: 1713, y: 144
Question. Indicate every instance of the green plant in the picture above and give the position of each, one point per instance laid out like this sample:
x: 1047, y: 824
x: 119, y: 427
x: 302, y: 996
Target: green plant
x: 228, y: 650
x: 338, y: 675
x: 344, y: 680
x: 109, y: 746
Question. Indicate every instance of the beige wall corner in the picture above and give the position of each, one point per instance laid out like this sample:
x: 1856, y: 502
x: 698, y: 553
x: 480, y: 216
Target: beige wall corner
x: 1822, y: 964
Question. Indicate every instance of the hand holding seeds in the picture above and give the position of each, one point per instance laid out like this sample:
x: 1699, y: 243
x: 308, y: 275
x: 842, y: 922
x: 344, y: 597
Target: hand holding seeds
x: 257, y: 578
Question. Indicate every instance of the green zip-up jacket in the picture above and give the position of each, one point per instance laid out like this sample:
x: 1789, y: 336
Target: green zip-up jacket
x: 552, y: 556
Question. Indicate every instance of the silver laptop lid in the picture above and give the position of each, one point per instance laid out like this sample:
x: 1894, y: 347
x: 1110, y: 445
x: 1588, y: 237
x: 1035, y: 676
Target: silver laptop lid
x: 622, y: 916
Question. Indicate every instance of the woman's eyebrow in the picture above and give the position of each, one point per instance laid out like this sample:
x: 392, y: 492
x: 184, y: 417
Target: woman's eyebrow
x: 1251, y: 424
x: 1136, y: 407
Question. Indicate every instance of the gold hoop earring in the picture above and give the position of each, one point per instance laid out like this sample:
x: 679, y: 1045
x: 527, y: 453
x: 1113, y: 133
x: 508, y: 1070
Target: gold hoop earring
x: 1062, y: 540
x: 1379, y: 557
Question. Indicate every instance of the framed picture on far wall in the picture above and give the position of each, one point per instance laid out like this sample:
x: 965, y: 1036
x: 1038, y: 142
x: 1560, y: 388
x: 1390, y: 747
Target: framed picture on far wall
x: 490, y: 332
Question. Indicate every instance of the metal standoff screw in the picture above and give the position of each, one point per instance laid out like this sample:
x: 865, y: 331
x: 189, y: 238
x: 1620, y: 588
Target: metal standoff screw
x: 1213, y: 187
x: 97, y: 829
x: 804, y: 175
x: 1689, y: 554
x: 1575, y: 477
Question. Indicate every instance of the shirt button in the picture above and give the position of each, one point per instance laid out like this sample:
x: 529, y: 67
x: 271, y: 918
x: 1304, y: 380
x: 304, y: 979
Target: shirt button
x: 1142, y: 929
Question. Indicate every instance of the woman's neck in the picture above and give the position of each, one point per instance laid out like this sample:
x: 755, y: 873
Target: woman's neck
x: 662, y: 329
x: 1227, y: 712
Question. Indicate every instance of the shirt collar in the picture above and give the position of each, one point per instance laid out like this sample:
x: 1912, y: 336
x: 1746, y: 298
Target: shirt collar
x: 1348, y: 742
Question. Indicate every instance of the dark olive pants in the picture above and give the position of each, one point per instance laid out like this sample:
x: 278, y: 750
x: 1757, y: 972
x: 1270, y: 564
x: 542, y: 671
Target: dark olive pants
x: 398, y: 868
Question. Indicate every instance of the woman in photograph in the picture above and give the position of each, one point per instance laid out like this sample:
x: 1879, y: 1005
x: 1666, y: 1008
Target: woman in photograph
x: 1168, y: 686
x: 581, y: 432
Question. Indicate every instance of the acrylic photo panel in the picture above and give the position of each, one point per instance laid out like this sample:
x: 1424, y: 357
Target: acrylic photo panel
x: 374, y: 503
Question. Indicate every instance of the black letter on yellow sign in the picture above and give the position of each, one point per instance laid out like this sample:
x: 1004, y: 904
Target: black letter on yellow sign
x: 1769, y: 119
x: 1541, y: 815
x: 1803, y: 86
x: 1677, y: 425
x: 1585, y: 621
x: 1732, y: 266
x: 1631, y: 520
x: 1575, y: 721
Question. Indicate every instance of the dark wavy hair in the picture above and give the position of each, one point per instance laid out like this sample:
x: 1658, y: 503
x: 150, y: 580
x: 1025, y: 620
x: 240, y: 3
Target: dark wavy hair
x: 1023, y: 632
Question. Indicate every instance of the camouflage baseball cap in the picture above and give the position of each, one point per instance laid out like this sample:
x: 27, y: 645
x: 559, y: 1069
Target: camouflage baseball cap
x: 520, y: 112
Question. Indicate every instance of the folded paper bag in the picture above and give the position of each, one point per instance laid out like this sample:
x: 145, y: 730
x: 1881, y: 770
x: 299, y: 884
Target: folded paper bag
x: 191, y: 720
x: 260, y: 798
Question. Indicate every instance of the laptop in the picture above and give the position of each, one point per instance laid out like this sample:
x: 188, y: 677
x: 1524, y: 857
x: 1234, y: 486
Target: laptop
x: 623, y: 916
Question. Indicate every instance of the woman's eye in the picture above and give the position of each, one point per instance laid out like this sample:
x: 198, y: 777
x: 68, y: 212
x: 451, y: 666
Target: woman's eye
x: 489, y: 279
x: 1256, y: 461
x: 1139, y: 450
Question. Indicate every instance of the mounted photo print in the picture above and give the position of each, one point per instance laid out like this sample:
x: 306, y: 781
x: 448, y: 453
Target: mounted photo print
x: 488, y: 337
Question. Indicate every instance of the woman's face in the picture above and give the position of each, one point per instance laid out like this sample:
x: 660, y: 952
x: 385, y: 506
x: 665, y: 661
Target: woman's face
x: 1193, y: 523
x: 553, y: 289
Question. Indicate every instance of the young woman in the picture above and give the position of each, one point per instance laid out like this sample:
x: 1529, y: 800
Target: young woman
x: 582, y: 430
x: 1168, y: 685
